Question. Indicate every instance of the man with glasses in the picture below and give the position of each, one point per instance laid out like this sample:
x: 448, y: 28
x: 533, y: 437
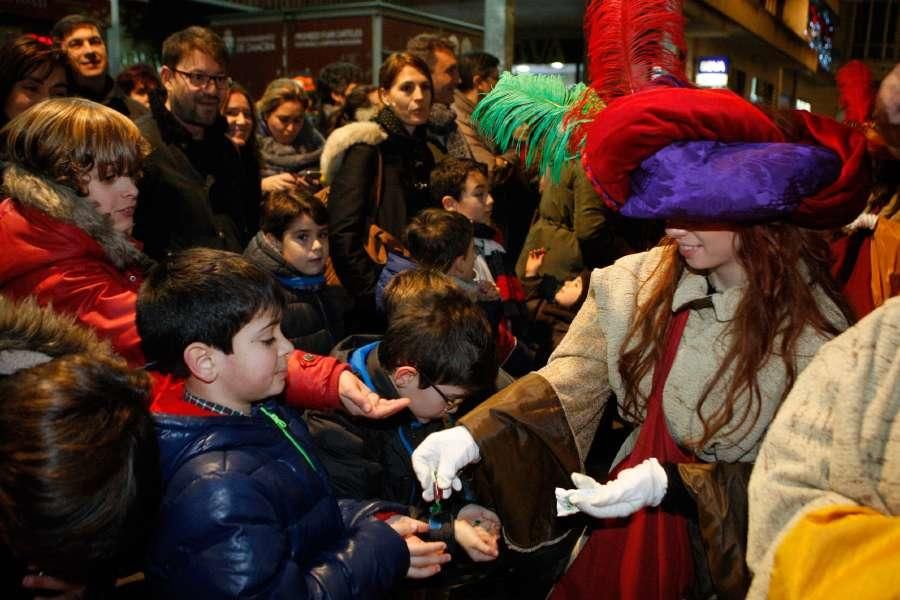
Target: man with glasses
x: 196, y: 191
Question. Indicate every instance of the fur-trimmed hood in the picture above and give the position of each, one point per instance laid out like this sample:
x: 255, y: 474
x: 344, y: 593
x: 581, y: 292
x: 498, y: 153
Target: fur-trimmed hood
x: 340, y: 141
x: 31, y: 335
x: 60, y: 202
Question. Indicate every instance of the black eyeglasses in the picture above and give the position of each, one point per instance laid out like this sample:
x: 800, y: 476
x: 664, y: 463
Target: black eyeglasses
x: 201, y: 80
x: 451, y: 403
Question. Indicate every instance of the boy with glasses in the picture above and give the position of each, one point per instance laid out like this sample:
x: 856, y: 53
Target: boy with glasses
x: 196, y: 190
x: 438, y: 351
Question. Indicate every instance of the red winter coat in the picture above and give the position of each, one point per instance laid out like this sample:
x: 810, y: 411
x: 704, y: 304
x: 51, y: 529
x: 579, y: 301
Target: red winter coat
x: 47, y: 252
x: 312, y: 382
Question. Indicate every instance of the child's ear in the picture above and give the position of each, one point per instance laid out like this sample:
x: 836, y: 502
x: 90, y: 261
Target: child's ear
x: 448, y: 202
x: 201, y: 362
x: 405, y: 376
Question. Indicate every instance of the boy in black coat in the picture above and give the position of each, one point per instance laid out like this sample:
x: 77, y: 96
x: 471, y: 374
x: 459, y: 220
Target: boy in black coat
x: 438, y: 351
x: 292, y: 245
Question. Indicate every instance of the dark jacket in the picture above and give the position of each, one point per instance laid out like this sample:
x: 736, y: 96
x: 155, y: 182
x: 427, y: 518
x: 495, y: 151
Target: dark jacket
x: 193, y: 193
x: 115, y: 98
x: 366, y: 458
x: 548, y: 321
x: 579, y: 231
x: 245, y: 515
x: 349, y: 166
x: 314, y: 317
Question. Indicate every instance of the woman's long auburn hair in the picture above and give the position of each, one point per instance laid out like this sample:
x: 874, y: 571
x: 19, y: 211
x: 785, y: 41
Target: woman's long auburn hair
x: 778, y: 300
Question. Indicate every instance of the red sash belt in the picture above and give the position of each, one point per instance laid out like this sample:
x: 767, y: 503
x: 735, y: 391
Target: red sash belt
x: 646, y: 556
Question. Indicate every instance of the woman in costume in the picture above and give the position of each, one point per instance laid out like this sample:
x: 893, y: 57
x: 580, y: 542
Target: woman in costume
x: 698, y: 340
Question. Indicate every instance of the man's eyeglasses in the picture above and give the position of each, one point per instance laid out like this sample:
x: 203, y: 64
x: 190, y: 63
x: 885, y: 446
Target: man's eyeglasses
x: 201, y: 80
x: 450, y: 402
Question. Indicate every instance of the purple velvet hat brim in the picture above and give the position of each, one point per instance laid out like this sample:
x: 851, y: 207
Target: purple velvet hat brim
x: 714, y: 181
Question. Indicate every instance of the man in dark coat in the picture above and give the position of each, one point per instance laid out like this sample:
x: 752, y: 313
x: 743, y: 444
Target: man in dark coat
x: 81, y: 38
x: 196, y: 191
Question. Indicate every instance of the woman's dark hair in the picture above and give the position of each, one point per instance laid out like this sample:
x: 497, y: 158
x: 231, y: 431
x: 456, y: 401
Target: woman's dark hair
x: 252, y: 148
x: 281, y: 208
x: 137, y: 76
x: 394, y: 63
x: 22, y: 56
x: 79, y: 466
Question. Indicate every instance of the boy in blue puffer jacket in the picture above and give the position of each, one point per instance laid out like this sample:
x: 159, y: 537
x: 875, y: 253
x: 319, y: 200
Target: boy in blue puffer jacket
x: 247, y: 508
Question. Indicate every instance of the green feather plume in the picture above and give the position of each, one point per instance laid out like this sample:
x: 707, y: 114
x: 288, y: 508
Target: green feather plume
x: 539, y: 112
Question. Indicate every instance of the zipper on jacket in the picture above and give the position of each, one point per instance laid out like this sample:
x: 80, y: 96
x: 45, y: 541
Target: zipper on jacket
x: 280, y: 423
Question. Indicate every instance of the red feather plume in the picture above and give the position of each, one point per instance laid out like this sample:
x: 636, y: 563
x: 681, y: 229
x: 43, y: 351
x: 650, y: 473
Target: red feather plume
x: 854, y: 81
x: 632, y: 42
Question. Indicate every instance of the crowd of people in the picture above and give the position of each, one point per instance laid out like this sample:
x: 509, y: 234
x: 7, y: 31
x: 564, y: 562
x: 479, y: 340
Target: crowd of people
x: 293, y: 346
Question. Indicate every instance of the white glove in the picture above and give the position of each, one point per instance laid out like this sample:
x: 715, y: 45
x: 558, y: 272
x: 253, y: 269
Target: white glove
x: 440, y: 457
x: 642, y: 485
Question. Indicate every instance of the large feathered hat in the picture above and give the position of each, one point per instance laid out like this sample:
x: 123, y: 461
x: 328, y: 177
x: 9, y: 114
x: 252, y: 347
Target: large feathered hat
x: 654, y: 146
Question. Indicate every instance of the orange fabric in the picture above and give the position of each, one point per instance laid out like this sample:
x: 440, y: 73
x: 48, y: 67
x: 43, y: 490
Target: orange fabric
x: 885, y: 261
x: 852, y: 269
x: 313, y: 381
x: 838, y: 552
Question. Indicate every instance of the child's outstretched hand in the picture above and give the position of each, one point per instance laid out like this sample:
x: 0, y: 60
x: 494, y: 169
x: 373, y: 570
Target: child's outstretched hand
x: 477, y: 530
x: 359, y: 400
x: 425, y: 558
x: 534, y: 261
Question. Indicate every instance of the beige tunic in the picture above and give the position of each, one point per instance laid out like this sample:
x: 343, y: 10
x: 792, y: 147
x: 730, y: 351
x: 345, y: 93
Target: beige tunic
x: 836, y: 440
x: 534, y: 433
x: 584, y: 368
